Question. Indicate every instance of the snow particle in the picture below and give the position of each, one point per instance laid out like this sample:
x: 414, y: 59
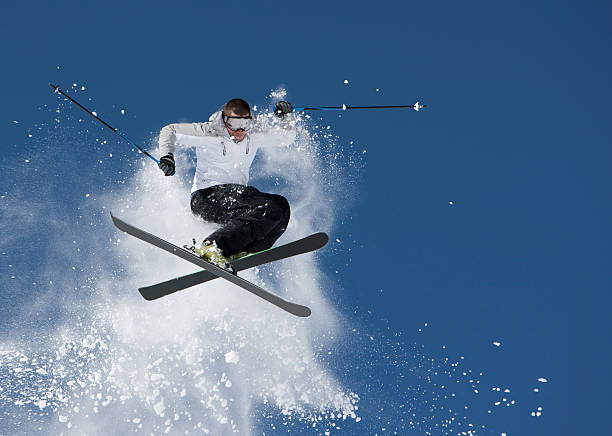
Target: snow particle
x: 496, y: 343
x: 159, y: 407
x: 232, y: 357
x: 345, y: 81
x: 542, y: 380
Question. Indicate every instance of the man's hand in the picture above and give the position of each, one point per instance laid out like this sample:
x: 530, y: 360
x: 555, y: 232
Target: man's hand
x: 166, y: 164
x: 282, y: 108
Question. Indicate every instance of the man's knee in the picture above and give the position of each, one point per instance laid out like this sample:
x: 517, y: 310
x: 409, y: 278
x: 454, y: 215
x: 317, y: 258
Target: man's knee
x: 285, y: 209
x: 197, y: 202
x: 202, y: 206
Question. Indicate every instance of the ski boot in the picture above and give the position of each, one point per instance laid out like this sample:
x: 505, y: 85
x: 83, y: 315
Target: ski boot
x: 210, y: 252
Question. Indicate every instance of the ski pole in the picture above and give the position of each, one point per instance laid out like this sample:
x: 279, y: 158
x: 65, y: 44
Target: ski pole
x: 56, y: 89
x: 415, y: 106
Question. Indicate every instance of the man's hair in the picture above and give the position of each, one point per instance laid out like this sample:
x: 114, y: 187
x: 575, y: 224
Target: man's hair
x: 238, y: 106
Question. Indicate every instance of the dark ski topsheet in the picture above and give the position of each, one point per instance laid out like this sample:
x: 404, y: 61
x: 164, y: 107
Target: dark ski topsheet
x: 295, y: 309
x: 304, y: 245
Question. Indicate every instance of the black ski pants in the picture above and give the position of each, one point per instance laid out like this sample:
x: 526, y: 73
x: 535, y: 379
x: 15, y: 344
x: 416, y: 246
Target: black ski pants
x: 252, y: 220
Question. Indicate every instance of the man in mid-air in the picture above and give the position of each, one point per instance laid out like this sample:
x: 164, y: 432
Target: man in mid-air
x: 251, y: 220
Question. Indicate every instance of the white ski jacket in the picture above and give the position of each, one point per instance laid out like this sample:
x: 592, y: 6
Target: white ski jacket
x: 219, y: 159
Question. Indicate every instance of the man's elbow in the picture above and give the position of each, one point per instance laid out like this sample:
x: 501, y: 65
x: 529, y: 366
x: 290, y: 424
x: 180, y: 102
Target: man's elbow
x: 170, y: 129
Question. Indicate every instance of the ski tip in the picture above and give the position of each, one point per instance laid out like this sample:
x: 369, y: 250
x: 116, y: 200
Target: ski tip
x: 145, y: 295
x: 321, y: 239
x: 118, y: 223
x: 302, y: 311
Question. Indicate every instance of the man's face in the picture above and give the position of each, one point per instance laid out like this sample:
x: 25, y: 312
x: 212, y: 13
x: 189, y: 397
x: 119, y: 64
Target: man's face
x: 237, y: 134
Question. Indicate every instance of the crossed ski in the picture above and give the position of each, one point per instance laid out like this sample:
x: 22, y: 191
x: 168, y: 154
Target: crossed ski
x: 211, y: 271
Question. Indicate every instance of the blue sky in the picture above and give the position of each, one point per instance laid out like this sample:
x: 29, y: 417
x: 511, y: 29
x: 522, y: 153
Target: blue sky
x: 485, y: 216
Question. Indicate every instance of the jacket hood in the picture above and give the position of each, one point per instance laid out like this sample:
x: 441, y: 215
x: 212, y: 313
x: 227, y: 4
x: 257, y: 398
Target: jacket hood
x: 217, y: 124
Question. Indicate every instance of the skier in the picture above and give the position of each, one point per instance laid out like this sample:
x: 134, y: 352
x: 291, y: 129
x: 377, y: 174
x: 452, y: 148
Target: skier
x: 225, y: 148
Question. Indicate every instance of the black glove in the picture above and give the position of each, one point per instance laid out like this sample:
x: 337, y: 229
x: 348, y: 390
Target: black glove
x: 282, y: 108
x: 166, y: 164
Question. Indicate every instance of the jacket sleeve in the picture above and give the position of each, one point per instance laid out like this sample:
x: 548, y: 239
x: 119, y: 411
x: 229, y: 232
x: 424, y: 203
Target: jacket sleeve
x: 281, y: 134
x: 168, y: 135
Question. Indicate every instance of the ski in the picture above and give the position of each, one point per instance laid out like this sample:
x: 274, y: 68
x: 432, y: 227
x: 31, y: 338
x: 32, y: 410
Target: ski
x: 301, y: 246
x: 294, y: 309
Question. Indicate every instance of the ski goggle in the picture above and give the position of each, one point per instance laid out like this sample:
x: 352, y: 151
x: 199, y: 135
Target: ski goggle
x: 238, y: 123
